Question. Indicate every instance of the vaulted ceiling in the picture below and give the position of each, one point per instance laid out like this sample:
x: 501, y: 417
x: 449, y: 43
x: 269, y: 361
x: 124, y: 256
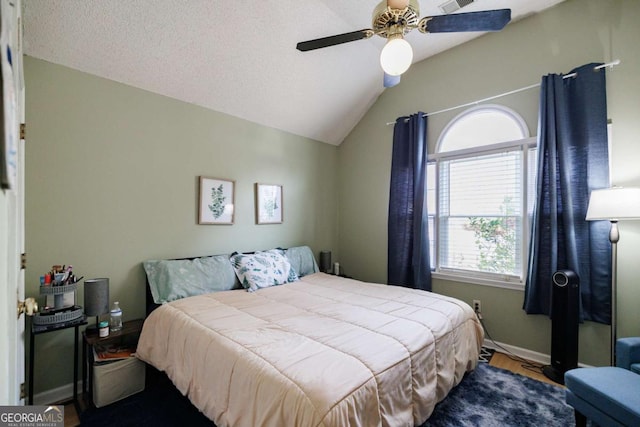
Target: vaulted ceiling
x: 239, y: 57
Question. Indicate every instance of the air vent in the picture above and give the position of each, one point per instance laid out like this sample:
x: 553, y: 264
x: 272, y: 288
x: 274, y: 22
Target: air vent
x: 453, y: 5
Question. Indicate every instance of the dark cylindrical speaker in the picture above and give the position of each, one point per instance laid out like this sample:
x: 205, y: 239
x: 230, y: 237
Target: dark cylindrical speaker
x: 325, y: 261
x: 565, y: 316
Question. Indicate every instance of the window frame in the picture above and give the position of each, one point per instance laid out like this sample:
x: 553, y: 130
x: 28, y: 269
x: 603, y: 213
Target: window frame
x: 527, y: 146
x: 517, y: 118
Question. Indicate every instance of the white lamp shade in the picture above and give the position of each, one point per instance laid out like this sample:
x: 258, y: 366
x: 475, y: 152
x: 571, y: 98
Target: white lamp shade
x: 614, y: 204
x: 396, y: 56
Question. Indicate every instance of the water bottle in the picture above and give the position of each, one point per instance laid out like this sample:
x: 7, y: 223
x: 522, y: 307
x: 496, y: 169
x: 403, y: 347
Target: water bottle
x: 115, y: 323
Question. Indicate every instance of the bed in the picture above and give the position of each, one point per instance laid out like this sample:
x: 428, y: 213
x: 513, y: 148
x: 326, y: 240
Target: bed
x: 319, y: 350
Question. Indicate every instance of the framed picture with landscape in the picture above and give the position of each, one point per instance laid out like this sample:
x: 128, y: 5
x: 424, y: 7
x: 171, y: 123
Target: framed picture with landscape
x: 216, y: 201
x: 268, y: 203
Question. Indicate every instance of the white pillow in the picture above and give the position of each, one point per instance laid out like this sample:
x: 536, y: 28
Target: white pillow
x: 262, y: 269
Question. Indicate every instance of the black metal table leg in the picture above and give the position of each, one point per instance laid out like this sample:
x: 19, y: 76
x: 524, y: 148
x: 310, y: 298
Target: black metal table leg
x: 75, y: 370
x: 42, y: 329
x: 31, y: 362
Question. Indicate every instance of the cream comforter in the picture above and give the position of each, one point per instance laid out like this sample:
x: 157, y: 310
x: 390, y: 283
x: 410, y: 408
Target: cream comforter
x: 323, y: 351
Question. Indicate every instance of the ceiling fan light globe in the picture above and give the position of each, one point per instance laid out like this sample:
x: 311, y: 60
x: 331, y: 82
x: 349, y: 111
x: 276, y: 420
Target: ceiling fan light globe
x: 397, y: 4
x: 396, y: 57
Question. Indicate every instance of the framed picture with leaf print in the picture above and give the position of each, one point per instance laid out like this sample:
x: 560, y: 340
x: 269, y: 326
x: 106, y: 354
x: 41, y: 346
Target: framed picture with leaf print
x: 268, y: 203
x: 216, y: 201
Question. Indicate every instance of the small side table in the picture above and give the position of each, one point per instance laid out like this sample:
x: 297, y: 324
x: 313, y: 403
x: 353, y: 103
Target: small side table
x: 130, y: 332
x: 43, y: 329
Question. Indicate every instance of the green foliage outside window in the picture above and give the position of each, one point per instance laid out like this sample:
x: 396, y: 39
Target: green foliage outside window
x: 495, y: 238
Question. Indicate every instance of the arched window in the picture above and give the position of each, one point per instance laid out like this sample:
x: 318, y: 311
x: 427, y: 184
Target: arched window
x: 479, y: 191
x: 481, y: 126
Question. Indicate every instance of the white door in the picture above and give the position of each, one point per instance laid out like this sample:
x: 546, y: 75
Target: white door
x: 12, y: 330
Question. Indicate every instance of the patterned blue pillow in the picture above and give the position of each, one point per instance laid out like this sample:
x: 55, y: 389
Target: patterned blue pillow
x: 263, y: 269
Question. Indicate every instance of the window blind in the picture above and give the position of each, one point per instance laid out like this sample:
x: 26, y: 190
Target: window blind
x: 480, y: 213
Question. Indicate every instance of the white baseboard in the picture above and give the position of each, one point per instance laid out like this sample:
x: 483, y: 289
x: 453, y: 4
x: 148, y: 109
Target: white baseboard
x: 534, y: 356
x: 531, y: 355
x: 59, y: 394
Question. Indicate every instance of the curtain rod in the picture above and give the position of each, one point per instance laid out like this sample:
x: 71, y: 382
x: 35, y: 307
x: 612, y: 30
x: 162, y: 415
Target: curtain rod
x: 511, y: 92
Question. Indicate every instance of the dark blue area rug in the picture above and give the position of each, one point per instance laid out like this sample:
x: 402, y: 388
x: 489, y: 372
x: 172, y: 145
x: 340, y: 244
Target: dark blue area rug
x: 487, y: 397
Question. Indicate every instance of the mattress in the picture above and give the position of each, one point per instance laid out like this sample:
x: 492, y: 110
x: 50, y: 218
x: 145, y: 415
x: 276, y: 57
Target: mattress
x: 321, y: 351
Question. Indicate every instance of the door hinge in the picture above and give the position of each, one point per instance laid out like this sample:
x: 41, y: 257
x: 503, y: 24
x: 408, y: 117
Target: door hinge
x: 23, y: 130
x: 23, y: 261
x: 23, y: 394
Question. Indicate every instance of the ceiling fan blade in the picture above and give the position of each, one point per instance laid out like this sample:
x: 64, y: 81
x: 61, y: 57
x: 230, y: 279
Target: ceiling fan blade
x: 489, y: 20
x: 334, y: 40
x: 390, y: 81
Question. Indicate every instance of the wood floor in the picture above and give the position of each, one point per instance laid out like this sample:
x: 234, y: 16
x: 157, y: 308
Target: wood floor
x: 531, y: 369
x: 499, y: 360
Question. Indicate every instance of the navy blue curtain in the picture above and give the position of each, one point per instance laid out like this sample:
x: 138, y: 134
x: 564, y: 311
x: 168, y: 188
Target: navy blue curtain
x: 408, y: 226
x: 572, y: 161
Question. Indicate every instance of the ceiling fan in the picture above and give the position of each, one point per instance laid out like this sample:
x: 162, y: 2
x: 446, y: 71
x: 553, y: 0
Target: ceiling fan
x: 393, y: 19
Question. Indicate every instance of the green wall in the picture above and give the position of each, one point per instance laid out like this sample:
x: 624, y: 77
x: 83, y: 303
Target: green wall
x: 571, y: 34
x: 111, y: 171
x: 112, y: 180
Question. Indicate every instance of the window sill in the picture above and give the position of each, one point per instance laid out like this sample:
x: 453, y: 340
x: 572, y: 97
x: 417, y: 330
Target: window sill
x: 515, y: 285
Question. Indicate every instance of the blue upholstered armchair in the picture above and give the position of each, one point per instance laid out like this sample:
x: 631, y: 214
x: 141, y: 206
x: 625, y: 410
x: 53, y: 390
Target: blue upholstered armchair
x: 609, y: 396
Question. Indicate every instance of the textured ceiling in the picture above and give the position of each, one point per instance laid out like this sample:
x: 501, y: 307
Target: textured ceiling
x: 238, y: 57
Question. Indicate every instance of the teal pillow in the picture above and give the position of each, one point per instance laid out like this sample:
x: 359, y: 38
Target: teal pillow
x: 262, y: 269
x: 170, y: 280
x: 302, y: 260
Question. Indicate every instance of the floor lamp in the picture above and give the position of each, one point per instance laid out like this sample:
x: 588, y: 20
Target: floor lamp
x: 614, y: 204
